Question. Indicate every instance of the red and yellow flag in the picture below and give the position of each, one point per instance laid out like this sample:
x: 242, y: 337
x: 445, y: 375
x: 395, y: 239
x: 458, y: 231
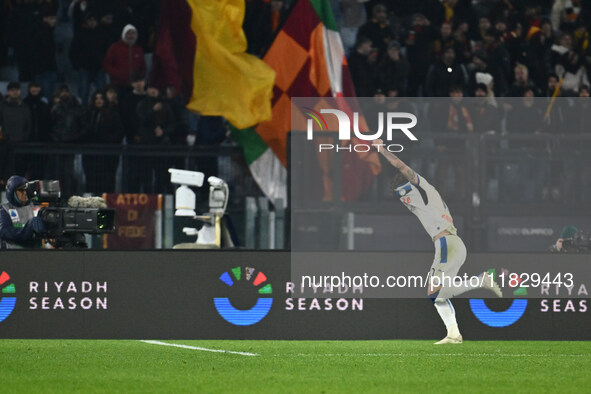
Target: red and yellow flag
x: 205, y: 38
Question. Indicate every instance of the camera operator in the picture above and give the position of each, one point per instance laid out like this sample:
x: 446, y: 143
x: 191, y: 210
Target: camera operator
x: 567, y: 235
x: 19, y: 227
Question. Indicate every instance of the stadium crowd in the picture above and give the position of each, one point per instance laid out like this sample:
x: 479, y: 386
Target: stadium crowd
x: 75, y: 71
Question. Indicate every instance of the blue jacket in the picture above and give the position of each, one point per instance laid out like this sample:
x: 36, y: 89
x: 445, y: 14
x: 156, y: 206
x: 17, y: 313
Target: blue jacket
x: 14, y: 229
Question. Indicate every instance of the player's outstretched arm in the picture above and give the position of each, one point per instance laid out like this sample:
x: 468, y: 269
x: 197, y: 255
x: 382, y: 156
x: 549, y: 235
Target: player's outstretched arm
x: 396, y: 162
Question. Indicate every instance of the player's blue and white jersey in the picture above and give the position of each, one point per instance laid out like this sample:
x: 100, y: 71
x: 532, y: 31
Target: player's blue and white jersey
x: 425, y: 202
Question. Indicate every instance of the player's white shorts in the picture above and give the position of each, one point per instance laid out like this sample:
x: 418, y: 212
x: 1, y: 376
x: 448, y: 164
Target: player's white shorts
x: 450, y: 254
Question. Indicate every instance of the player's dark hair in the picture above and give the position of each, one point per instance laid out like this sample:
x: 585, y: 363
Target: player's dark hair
x: 396, y: 180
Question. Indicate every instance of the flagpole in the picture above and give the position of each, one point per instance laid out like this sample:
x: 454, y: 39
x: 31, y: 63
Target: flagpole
x: 554, y: 95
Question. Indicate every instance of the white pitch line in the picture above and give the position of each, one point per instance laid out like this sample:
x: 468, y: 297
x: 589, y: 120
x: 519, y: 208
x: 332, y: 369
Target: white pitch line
x: 204, y: 349
x: 426, y: 355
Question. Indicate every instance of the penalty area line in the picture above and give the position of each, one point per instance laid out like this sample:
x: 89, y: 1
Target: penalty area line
x: 203, y: 349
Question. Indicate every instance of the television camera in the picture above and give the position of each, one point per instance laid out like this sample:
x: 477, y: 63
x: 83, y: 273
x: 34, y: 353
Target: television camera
x: 213, y: 230
x: 580, y: 243
x: 66, y: 224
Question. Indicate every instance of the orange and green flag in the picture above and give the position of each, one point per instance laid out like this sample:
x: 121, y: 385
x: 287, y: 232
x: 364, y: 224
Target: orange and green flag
x: 201, y: 51
x: 308, y: 58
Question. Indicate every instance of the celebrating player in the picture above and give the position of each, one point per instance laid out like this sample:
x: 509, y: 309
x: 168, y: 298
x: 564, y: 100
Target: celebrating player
x: 424, y: 201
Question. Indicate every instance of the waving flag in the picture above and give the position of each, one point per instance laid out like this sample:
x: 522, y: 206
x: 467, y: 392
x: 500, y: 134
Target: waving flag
x: 309, y: 61
x: 200, y: 51
x: 204, y: 39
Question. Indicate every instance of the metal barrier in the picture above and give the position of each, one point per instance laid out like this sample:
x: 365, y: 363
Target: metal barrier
x: 133, y: 169
x: 482, y: 176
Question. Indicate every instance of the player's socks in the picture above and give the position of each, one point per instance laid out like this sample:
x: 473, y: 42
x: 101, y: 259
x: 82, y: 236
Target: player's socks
x: 456, y: 290
x: 448, y: 315
x: 453, y: 332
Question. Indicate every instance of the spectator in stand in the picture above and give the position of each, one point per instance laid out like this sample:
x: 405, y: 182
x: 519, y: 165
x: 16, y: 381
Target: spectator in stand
x: 87, y: 51
x: 419, y: 40
x: 461, y: 37
x: 4, y: 18
x: 540, y: 40
x: 452, y: 116
x: 444, y: 74
x: 15, y: 119
x: 40, y: 114
x: 487, y: 120
x: 113, y: 15
x: 362, y: 64
x: 378, y: 29
x: 564, y: 14
x: 112, y: 97
x: 67, y: 116
x: 6, y: 159
x: 527, y: 181
x: 144, y: 15
x: 45, y: 67
x: 353, y: 17
x: 394, y: 69
x: 556, y: 120
x: 123, y: 59
x: 6, y: 154
x: 67, y: 128
x: 40, y: 129
x: 156, y: 125
x: 128, y: 109
x: 450, y: 10
x: 102, y: 126
x: 15, y: 116
x: 156, y: 119
x: 526, y: 118
x: 551, y: 85
x: 517, y: 46
x: 579, y: 119
x: 485, y: 115
x: 180, y: 134
x: 522, y: 82
x: 497, y: 53
x: 371, y: 108
x: 448, y: 40
x: 509, y: 9
x: 480, y: 61
x: 128, y: 112
x: 569, y: 65
x: 23, y: 24
x: 501, y: 26
x: 484, y: 25
x: 181, y: 116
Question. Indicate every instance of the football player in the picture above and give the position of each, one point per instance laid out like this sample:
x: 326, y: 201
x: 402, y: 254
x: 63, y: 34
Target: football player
x: 424, y: 201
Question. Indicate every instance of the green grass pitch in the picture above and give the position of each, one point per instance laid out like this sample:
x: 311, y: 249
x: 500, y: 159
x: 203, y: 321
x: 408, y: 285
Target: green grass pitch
x: 61, y: 366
